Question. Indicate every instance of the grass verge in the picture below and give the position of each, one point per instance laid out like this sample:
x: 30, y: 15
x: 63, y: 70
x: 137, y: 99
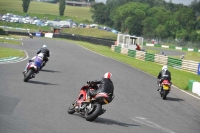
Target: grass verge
x: 8, y: 52
x: 11, y: 40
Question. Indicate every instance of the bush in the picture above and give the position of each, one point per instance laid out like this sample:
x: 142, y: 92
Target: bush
x: 2, y: 32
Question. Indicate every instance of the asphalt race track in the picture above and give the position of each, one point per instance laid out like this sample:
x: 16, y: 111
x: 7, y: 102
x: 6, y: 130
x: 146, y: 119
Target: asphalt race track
x: 40, y: 105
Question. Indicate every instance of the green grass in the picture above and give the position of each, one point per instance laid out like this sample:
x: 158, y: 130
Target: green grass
x: 33, y: 28
x: 8, y: 52
x: 50, y: 10
x: 179, y: 78
x: 4, y: 40
x: 194, y: 56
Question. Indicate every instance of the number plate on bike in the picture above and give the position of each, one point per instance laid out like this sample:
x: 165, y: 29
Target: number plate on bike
x: 165, y: 87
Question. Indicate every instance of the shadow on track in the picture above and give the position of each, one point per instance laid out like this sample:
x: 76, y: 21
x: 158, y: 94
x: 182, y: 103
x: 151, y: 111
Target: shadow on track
x: 113, y: 122
x: 174, y: 99
x: 42, y: 83
x: 43, y: 70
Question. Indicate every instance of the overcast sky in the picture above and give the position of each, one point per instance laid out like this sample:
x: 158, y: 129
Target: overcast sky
x: 185, y: 2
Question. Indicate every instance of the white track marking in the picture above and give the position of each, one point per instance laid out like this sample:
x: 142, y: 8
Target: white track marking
x: 144, y: 121
x: 17, y: 61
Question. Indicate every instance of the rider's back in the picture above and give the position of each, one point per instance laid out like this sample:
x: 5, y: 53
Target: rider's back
x: 106, y: 86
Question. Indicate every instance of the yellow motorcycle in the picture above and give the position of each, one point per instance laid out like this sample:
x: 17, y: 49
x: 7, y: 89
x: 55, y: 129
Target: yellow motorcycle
x: 165, y: 89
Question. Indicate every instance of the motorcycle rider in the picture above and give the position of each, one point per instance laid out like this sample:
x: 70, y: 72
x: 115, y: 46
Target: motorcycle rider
x: 164, y: 74
x: 105, y: 84
x: 38, y: 61
x: 46, y: 53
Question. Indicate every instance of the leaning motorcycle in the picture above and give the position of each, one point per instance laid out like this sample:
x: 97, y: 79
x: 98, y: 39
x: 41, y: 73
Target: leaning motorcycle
x: 32, y: 69
x: 90, y: 111
x: 165, y: 89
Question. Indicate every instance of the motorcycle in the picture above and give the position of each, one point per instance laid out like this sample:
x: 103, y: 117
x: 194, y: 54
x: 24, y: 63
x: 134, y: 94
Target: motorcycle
x: 30, y: 35
x: 90, y: 111
x: 33, y: 68
x: 165, y: 89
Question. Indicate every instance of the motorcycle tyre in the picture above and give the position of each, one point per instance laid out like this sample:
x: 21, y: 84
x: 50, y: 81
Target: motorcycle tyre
x: 95, y: 114
x: 28, y: 75
x: 164, y: 95
x: 71, y: 110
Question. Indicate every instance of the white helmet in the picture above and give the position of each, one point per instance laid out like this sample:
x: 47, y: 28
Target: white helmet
x: 40, y: 55
x: 108, y: 75
x: 164, y: 68
x: 44, y: 46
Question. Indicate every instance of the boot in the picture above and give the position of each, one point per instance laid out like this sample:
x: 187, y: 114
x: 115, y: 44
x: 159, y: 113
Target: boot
x: 87, y: 100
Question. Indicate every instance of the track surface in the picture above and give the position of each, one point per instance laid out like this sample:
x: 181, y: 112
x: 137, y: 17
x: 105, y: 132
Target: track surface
x: 40, y: 105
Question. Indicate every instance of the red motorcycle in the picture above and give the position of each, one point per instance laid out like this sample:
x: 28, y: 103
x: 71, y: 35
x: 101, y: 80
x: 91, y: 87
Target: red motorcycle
x: 165, y: 89
x: 90, y: 111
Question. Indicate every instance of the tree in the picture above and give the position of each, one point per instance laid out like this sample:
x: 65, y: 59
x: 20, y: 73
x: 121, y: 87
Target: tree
x: 25, y: 5
x: 100, y: 14
x: 172, y: 27
x: 186, y: 18
x: 149, y: 27
x: 62, y: 7
x: 161, y: 31
x: 130, y: 16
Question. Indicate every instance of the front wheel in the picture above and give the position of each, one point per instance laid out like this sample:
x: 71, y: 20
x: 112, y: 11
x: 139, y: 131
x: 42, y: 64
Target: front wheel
x: 94, y: 113
x: 71, y: 108
x: 28, y: 75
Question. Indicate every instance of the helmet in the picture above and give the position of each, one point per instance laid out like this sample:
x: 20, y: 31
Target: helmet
x: 40, y: 55
x: 44, y: 46
x: 164, y: 68
x: 108, y: 75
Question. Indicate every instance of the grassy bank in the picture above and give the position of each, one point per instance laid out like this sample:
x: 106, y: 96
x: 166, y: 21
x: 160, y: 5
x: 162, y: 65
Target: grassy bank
x: 50, y: 10
x: 179, y: 78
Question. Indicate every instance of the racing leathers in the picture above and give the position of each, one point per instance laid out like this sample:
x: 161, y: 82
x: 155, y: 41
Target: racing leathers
x: 98, y: 86
x: 163, y: 75
x: 46, y: 53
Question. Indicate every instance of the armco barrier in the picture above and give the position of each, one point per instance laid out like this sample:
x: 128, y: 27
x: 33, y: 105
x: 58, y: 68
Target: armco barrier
x: 98, y: 41
x: 22, y: 33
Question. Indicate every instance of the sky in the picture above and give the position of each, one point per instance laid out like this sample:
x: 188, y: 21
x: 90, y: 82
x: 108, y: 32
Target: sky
x: 185, y: 2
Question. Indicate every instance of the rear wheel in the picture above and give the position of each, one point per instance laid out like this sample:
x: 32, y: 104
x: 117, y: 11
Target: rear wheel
x: 164, y: 95
x: 28, y: 75
x: 71, y: 108
x: 94, y: 113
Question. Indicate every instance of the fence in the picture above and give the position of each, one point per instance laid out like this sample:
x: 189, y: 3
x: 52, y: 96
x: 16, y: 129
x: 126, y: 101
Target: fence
x: 187, y: 65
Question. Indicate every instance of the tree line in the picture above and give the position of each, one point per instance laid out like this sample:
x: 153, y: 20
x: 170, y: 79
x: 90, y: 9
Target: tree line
x: 150, y: 18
